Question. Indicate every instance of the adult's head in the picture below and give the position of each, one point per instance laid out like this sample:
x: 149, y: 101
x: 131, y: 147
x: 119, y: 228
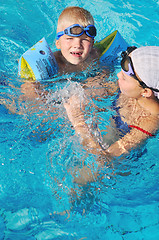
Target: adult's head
x: 143, y: 64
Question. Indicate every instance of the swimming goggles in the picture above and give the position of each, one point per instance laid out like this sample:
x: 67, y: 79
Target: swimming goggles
x: 128, y: 68
x: 77, y: 30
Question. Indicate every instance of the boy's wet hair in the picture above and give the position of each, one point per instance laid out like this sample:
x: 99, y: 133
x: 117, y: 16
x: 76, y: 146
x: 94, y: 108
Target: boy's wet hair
x: 80, y: 15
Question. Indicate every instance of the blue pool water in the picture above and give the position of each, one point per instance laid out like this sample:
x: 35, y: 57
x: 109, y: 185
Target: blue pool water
x: 39, y: 151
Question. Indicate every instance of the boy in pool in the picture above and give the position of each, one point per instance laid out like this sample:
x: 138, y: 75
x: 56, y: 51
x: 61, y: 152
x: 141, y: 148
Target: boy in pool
x: 138, y: 102
x: 75, y: 39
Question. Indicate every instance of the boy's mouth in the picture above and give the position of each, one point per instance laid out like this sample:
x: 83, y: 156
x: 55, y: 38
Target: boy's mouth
x: 78, y: 54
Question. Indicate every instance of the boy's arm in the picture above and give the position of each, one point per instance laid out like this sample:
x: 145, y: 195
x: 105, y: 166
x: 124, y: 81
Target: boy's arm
x: 32, y: 96
x: 29, y: 90
x: 98, y: 86
x: 32, y: 90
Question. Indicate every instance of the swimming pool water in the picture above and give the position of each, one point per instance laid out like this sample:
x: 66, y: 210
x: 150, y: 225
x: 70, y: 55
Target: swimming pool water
x: 39, y: 151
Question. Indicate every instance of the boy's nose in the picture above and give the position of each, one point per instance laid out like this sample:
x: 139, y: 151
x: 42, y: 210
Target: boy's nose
x: 77, y: 42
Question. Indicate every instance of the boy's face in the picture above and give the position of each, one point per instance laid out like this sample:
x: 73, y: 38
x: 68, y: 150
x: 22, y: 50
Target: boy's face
x: 74, y: 49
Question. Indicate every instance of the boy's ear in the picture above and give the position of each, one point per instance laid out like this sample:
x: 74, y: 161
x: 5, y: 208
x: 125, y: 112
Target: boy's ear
x: 58, y: 44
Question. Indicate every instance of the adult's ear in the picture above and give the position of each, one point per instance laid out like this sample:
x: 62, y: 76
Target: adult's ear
x: 58, y: 46
x: 147, y: 92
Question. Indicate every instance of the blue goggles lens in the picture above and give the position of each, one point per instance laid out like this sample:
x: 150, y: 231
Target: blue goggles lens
x: 77, y: 30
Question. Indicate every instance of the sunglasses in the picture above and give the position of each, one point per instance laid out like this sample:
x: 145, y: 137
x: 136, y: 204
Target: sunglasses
x: 128, y: 68
x: 77, y: 30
